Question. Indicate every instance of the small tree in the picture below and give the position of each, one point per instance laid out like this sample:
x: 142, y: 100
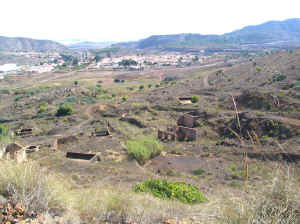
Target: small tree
x: 97, y: 58
x: 195, y: 99
x: 64, y: 110
x: 76, y: 83
x: 75, y: 62
x: 149, y: 86
x: 142, y: 87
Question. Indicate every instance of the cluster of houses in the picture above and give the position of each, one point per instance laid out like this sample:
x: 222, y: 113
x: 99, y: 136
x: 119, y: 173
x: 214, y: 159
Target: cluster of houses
x: 47, y: 62
x: 154, y: 60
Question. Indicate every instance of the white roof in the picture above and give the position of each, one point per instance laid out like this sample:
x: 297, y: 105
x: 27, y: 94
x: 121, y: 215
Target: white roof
x: 8, y: 67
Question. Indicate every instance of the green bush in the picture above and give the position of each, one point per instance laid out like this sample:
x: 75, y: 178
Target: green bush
x: 43, y: 107
x: 279, y: 78
x: 4, y: 91
x: 143, y: 149
x: 296, y: 84
x: 164, y: 189
x: 195, y: 99
x: 142, y: 87
x: 199, y: 172
x: 3, y: 130
x: 258, y: 69
x: 4, y: 134
x: 64, y: 110
x: 19, y: 98
x: 124, y: 99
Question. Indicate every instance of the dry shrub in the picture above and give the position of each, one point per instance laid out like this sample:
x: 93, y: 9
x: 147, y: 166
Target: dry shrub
x: 58, y: 201
x: 103, y: 204
x: 278, y: 203
x: 32, y: 186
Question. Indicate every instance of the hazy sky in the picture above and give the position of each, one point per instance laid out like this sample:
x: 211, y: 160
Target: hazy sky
x: 123, y: 20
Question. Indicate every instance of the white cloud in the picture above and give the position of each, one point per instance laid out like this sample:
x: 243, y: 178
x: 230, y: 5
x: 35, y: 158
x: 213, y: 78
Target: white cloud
x: 119, y: 20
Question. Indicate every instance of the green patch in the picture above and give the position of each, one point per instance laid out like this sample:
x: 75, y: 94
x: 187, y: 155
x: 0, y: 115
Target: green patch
x: 4, y: 133
x: 296, y: 84
x: 64, y: 110
x: 4, y: 91
x: 279, y: 78
x: 195, y: 99
x: 143, y: 149
x: 186, y: 193
x: 89, y: 100
x: 199, y: 172
x: 258, y: 69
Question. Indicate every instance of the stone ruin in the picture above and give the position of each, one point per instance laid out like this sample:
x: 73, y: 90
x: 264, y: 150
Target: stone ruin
x: 185, y: 100
x: 32, y: 148
x: 84, y: 156
x: 24, y: 132
x: 102, y: 132
x: 14, y: 151
x: 183, y: 131
x: 188, y: 120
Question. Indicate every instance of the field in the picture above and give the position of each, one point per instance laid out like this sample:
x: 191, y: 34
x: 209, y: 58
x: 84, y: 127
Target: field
x: 245, y: 158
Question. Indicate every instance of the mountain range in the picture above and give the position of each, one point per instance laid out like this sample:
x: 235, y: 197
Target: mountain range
x: 28, y: 44
x: 269, y: 32
x: 89, y: 45
x: 287, y: 31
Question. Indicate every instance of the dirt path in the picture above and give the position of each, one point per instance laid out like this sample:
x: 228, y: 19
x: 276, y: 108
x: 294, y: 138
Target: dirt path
x: 88, y: 112
x: 205, y: 81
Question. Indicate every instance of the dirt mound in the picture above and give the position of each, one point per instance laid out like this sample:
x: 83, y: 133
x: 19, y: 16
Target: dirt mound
x: 266, y: 101
x: 262, y: 126
x: 133, y: 121
x: 67, y: 140
x: 257, y: 101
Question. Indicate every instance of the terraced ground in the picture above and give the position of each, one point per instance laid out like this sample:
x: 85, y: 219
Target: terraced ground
x: 266, y: 93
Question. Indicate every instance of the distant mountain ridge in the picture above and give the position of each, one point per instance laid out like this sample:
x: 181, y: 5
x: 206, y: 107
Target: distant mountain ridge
x: 28, y: 44
x: 90, y: 45
x: 273, y: 31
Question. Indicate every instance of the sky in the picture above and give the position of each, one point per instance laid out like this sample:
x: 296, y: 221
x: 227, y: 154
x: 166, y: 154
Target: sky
x: 128, y: 20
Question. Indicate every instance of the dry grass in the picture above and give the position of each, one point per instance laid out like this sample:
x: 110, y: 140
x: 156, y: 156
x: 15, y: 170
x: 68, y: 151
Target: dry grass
x: 32, y: 186
x: 276, y: 203
x: 41, y: 192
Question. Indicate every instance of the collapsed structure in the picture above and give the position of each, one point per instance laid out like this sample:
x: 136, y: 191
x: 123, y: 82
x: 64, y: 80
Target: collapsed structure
x: 183, y: 131
x: 84, y: 156
x: 24, y: 132
x: 102, y: 132
x: 14, y: 151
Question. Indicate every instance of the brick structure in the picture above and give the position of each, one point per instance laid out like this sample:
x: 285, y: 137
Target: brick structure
x: 103, y: 132
x: 164, y: 135
x: 184, y: 133
x: 184, y: 129
x: 187, y: 120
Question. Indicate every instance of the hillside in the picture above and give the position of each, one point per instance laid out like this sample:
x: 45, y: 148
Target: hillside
x: 94, y: 147
x: 273, y: 31
x: 27, y: 44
